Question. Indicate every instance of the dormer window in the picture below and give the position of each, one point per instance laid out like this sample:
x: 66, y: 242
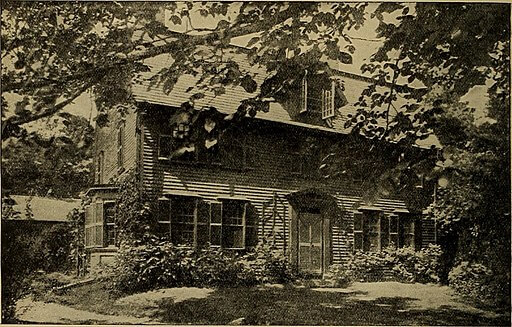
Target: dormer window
x: 304, y: 94
x: 328, y: 102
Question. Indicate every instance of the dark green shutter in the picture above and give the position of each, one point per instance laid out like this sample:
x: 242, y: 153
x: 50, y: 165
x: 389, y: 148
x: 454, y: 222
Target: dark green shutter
x: 216, y: 223
x: 358, y: 231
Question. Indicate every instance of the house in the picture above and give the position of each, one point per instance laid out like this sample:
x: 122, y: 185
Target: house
x: 259, y: 180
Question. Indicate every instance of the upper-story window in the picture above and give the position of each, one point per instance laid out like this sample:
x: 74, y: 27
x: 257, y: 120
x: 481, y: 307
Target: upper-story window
x: 304, y: 93
x: 188, y: 220
x: 120, y: 146
x: 374, y: 231
x: 227, y: 153
x: 328, y: 102
x: 99, y: 167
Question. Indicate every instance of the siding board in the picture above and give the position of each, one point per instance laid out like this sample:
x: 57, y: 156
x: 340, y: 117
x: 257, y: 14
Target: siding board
x: 269, y: 178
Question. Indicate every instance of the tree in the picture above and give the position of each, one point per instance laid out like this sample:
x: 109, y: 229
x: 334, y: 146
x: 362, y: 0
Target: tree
x: 432, y: 54
x: 58, y: 165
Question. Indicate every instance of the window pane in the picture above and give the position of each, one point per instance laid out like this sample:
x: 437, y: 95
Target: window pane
x: 215, y: 235
x: 232, y: 237
x: 233, y: 212
x: 109, y: 212
x: 110, y: 234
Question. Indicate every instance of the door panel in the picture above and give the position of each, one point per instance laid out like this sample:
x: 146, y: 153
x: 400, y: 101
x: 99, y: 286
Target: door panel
x: 310, y: 242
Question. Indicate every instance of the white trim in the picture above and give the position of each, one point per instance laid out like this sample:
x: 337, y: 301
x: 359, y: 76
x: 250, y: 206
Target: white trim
x: 181, y: 193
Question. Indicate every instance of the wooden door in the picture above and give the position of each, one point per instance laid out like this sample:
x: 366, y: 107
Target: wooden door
x: 310, y: 242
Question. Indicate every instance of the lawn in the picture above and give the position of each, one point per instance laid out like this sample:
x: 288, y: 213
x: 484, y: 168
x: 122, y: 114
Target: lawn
x: 387, y: 303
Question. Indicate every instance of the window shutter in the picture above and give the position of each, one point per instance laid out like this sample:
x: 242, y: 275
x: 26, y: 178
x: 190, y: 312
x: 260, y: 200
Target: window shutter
x: 163, y: 217
x: 203, y: 224
x: 358, y: 231
x: 384, y: 231
x: 216, y: 223
x: 90, y: 212
x: 99, y: 225
x: 393, y: 229
x: 304, y: 94
x: 251, y: 222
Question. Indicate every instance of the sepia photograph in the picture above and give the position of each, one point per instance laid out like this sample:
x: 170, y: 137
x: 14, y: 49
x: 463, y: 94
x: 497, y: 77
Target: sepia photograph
x: 255, y: 163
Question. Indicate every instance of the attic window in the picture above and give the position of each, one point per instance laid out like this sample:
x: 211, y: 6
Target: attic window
x: 304, y: 94
x: 328, y: 102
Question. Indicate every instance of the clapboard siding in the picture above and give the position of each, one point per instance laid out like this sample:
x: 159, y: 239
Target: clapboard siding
x: 106, y: 141
x: 269, y: 181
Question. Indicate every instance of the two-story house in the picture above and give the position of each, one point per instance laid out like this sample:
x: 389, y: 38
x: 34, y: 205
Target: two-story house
x: 259, y: 180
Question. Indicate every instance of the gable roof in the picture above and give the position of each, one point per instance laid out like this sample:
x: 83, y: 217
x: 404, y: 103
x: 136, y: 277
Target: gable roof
x: 43, y: 208
x: 227, y: 103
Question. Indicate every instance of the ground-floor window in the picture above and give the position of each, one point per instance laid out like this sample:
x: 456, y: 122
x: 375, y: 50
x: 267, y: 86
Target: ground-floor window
x: 374, y: 230
x: 100, y: 226
x: 188, y: 220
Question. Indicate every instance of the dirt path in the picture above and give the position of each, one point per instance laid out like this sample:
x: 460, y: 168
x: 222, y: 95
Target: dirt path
x: 52, y: 313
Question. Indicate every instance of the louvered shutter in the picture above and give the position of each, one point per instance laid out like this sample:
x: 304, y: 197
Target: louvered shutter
x: 202, y: 236
x: 99, y: 225
x: 90, y: 219
x: 163, y: 215
x: 358, y: 231
x: 384, y: 231
x: 251, y: 225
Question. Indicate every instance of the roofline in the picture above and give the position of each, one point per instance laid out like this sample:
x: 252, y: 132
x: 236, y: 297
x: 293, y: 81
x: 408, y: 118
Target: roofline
x: 102, y: 188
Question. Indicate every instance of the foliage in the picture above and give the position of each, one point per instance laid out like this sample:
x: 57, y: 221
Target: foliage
x: 112, y: 39
x: 56, y: 165
x: 28, y: 247
x: 155, y: 263
x: 134, y: 210
x: 403, y: 264
x: 479, y: 283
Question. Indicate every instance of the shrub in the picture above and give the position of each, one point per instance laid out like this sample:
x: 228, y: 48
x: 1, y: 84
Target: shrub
x: 404, y: 264
x: 478, y: 283
x: 155, y: 263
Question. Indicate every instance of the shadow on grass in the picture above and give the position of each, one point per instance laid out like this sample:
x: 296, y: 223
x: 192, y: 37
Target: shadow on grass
x: 296, y: 306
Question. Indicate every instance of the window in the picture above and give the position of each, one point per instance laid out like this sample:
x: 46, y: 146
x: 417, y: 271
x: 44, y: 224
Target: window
x: 110, y: 225
x: 304, y: 94
x: 120, y: 146
x: 99, y: 167
x: 328, y: 102
x: 100, y: 227
x: 374, y: 231
x: 188, y: 220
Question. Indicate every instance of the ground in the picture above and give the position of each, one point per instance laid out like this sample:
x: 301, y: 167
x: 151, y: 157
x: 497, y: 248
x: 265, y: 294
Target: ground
x: 384, y: 303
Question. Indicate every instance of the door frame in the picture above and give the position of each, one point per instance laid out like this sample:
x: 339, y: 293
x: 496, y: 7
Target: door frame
x: 304, y: 201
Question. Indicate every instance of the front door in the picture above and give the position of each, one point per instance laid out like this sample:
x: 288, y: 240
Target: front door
x: 310, y: 242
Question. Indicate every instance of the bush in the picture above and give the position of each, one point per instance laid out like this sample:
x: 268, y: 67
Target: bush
x: 157, y: 263
x: 404, y: 264
x: 478, y: 283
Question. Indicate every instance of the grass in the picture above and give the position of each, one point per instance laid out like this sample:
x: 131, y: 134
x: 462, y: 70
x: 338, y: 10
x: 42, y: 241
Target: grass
x: 280, y: 306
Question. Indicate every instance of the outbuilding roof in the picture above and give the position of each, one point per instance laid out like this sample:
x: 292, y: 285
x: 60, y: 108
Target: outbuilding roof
x: 43, y: 208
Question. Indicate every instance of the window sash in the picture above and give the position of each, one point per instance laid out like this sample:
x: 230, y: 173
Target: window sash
x: 373, y: 232
x: 328, y: 102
